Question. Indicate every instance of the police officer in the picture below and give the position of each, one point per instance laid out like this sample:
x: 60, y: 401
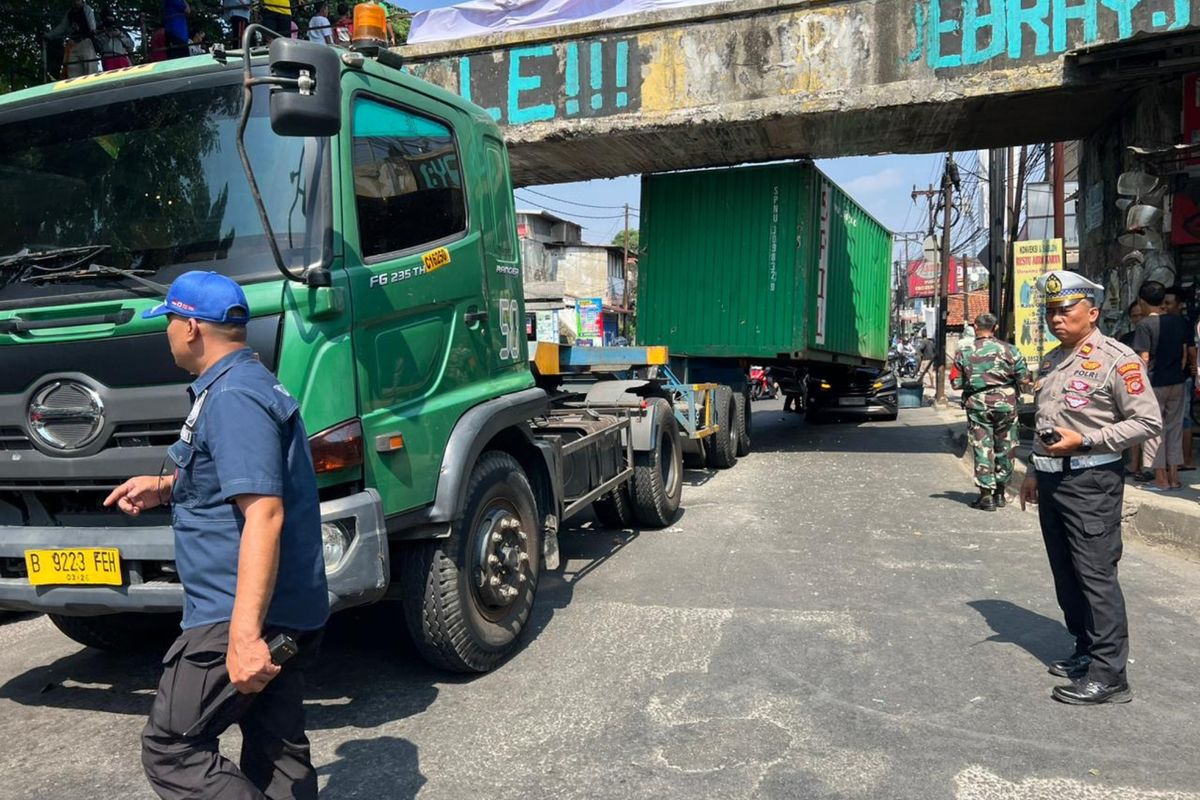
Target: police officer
x: 989, y: 374
x: 249, y: 555
x: 1092, y: 403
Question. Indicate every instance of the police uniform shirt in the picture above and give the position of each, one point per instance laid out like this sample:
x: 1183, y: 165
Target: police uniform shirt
x: 1098, y: 389
x: 244, y: 436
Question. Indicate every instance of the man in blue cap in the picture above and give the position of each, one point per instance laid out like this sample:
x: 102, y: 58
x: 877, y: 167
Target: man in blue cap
x: 248, y: 553
x: 1092, y: 404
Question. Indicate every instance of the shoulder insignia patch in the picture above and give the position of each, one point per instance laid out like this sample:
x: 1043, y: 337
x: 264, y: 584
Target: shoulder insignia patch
x: 1087, y: 349
x: 1134, y: 384
x: 1079, y: 386
x: 1076, y: 402
x: 1125, y: 369
x: 1090, y: 365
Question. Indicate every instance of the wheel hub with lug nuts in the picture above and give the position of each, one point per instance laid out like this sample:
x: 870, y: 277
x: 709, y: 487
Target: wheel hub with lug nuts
x: 503, y: 553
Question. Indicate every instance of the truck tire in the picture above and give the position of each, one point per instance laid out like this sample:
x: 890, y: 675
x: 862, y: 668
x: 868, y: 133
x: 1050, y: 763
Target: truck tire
x: 615, y: 509
x: 723, y: 445
x: 742, y: 417
x: 465, y: 611
x: 121, y: 633
x: 657, y: 483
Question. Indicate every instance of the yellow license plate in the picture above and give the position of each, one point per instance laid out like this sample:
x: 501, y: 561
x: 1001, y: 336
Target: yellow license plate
x: 76, y: 566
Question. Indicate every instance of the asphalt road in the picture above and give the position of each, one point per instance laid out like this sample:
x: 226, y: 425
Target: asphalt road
x: 828, y: 619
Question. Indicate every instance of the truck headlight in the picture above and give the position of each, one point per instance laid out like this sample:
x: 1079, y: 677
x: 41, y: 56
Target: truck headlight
x: 335, y: 541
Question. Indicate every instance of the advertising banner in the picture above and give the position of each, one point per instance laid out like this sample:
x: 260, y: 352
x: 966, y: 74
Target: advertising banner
x: 1030, y: 260
x: 591, y: 320
x: 923, y: 278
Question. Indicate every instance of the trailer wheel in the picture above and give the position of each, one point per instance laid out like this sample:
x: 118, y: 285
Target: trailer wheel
x: 742, y: 414
x: 657, y: 483
x: 723, y: 445
x: 467, y: 597
x: 615, y: 509
x: 121, y: 633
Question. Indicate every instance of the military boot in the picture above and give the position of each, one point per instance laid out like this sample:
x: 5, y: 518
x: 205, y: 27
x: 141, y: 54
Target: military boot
x: 985, y: 502
x: 998, y: 496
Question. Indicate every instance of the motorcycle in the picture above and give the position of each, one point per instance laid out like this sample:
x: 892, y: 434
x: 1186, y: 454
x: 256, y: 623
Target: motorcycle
x: 761, y: 385
x: 905, y: 364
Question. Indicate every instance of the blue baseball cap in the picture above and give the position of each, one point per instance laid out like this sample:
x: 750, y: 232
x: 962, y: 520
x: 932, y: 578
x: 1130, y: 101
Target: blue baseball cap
x: 209, y: 296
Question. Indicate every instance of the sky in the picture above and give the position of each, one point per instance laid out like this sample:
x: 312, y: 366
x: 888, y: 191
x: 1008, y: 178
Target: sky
x: 882, y: 184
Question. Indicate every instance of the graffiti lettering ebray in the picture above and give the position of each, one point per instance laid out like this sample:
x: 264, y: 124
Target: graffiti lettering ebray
x: 961, y: 33
x: 563, y: 80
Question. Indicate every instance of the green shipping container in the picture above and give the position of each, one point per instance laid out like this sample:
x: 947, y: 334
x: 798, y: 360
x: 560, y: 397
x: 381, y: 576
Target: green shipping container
x: 764, y: 263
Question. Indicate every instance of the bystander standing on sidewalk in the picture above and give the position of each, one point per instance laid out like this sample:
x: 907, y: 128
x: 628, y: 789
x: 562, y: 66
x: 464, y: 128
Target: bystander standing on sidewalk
x: 77, y: 30
x: 1174, y: 304
x: 320, y: 30
x: 1161, y: 341
x: 1133, y: 456
x: 175, y: 15
x: 237, y: 16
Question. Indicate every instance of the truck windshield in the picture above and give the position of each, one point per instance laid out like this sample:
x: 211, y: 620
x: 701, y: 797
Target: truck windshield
x: 153, y: 182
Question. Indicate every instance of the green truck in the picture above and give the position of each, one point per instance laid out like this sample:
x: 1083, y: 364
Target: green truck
x: 369, y: 217
x: 773, y: 265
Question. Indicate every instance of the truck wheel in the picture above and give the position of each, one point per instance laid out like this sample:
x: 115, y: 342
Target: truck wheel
x: 657, y: 483
x: 723, y: 445
x: 614, y: 510
x: 467, y: 597
x: 742, y: 412
x: 121, y: 633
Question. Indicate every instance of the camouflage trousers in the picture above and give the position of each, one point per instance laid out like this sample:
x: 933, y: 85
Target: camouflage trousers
x: 993, y: 436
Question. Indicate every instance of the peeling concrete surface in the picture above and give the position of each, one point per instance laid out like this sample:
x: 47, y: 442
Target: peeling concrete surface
x: 768, y: 79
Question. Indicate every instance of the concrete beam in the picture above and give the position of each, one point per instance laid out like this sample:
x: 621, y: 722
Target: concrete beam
x: 755, y: 80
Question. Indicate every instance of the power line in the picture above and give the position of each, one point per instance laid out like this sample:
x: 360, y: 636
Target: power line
x: 574, y: 202
x: 571, y: 214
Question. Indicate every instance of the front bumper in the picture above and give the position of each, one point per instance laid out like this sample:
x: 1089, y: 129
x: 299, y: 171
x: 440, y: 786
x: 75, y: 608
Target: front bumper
x: 360, y: 577
x: 882, y: 404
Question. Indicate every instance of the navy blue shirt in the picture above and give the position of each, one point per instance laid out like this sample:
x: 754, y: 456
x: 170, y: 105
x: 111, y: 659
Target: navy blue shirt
x: 244, y: 435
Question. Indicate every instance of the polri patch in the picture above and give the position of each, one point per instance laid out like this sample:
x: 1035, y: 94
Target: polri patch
x: 1076, y: 402
x: 1079, y: 386
x: 1125, y: 369
x: 1090, y: 365
x: 1134, y: 384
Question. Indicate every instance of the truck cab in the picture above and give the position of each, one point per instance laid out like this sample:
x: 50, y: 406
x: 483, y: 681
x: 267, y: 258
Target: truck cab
x: 397, y: 324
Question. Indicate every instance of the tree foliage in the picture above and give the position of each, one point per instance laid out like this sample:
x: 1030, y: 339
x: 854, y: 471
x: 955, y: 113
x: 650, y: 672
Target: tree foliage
x: 619, y: 239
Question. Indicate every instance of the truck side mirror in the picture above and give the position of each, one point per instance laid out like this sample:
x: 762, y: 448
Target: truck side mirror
x: 309, y: 103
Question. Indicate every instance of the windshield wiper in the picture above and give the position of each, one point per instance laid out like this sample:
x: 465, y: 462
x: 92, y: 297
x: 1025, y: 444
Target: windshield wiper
x: 50, y: 259
x: 94, y: 270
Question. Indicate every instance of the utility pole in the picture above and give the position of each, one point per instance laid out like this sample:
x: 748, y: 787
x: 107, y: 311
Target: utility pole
x: 1060, y: 189
x: 949, y: 181
x: 930, y: 196
x: 625, y: 272
x: 997, y: 167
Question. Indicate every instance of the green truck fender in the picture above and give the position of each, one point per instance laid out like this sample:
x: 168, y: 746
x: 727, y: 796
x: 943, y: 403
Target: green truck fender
x: 499, y: 424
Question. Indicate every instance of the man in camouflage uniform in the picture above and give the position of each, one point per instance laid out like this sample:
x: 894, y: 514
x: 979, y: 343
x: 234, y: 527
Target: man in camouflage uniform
x: 989, y: 374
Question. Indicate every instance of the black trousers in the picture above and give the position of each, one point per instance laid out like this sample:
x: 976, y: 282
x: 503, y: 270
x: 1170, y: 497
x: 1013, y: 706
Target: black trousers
x: 275, y: 761
x: 1080, y: 513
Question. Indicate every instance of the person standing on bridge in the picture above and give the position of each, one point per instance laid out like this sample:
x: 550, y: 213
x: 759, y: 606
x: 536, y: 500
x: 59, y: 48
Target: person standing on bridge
x: 1093, y: 402
x: 249, y: 555
x: 990, y: 374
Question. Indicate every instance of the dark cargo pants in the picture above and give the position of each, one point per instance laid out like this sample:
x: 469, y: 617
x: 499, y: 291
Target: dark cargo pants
x: 275, y: 760
x: 1080, y: 513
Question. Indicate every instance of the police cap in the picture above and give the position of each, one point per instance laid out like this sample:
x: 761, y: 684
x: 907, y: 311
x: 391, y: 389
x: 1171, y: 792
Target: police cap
x: 1060, y: 289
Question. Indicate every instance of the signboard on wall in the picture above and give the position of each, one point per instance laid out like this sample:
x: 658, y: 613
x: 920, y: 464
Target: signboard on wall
x: 590, y: 317
x: 1030, y: 332
x: 923, y: 277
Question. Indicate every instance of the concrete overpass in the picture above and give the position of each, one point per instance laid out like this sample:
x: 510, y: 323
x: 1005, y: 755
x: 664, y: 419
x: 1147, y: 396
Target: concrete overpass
x: 755, y: 80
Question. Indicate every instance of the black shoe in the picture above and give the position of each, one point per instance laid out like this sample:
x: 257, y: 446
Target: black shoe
x: 1074, y: 667
x: 985, y: 501
x: 998, y: 496
x: 1092, y: 693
